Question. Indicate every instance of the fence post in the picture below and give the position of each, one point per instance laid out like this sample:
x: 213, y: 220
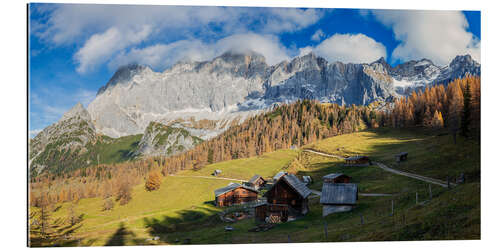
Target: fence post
x: 326, y: 229
x: 430, y: 192
x: 392, y: 207
x: 362, y: 221
x: 416, y: 198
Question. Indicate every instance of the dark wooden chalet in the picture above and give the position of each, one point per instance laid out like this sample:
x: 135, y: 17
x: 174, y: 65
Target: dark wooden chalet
x: 338, y: 197
x: 403, y: 156
x: 336, y: 178
x: 257, y: 181
x: 288, y: 195
x: 233, y: 194
x: 358, y: 161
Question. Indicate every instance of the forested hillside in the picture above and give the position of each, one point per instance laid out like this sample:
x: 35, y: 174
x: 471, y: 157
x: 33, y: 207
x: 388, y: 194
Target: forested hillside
x: 456, y: 107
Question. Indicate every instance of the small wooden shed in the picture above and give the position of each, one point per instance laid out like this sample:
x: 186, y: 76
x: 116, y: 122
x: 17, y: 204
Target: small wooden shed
x: 217, y: 172
x: 257, y: 181
x: 233, y: 194
x: 403, y: 156
x: 336, y: 178
x: 358, y: 160
x: 338, y: 197
x: 265, y: 210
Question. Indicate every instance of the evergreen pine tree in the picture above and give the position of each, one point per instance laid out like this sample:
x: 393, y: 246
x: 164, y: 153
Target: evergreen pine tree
x: 466, y: 112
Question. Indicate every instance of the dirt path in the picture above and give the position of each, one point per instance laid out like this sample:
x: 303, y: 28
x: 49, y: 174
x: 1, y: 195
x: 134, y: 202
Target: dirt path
x: 207, y: 177
x: 394, y: 171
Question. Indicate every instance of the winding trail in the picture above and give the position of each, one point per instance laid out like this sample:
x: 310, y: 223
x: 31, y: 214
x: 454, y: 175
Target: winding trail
x: 391, y: 170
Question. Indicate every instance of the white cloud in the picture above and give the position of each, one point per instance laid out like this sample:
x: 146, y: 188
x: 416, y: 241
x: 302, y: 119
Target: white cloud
x: 318, y: 35
x: 101, y: 46
x: 161, y: 56
x: 436, y: 35
x: 348, y: 48
x: 102, y: 32
x: 290, y: 19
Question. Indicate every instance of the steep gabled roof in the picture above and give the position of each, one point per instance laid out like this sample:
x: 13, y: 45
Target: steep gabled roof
x: 295, y: 184
x: 279, y: 175
x: 255, y: 178
x: 230, y: 187
x: 339, y: 193
x: 334, y: 175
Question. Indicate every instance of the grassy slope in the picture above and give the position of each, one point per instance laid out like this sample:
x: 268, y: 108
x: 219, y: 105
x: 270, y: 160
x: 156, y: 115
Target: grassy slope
x: 118, y: 150
x: 179, y: 200
x: 187, y: 212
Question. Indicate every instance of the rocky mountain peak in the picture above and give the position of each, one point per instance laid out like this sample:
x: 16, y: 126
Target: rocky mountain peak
x: 123, y: 74
x: 463, y: 61
x: 76, y: 111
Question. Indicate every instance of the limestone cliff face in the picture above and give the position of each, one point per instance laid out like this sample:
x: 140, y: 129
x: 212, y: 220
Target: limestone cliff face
x: 159, y: 139
x: 234, y: 86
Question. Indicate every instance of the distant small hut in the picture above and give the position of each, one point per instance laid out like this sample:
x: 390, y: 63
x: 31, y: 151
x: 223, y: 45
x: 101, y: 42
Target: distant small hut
x: 358, y: 161
x: 338, y: 197
x: 336, y: 178
x: 217, y: 172
x: 233, y: 194
x: 257, y: 182
x: 403, y: 156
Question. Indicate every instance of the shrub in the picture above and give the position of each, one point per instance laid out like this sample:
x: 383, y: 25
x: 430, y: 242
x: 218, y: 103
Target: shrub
x: 153, y: 181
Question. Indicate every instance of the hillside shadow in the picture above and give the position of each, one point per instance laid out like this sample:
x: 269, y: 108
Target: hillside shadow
x: 120, y: 235
x: 173, y: 229
x: 431, y: 153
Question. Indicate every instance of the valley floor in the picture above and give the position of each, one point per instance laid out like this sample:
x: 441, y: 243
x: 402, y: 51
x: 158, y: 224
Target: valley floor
x: 182, y: 210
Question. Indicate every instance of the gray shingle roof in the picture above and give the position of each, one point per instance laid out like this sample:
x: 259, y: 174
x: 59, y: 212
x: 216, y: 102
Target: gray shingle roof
x: 296, y: 184
x: 255, y: 178
x: 279, y: 175
x: 333, y: 175
x: 231, y: 187
x: 339, y: 193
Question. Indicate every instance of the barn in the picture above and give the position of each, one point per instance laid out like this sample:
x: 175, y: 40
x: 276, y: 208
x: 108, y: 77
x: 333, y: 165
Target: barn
x: 336, y: 178
x: 233, y: 194
x: 358, y: 160
x: 338, y: 197
x: 289, y: 190
x: 257, y: 181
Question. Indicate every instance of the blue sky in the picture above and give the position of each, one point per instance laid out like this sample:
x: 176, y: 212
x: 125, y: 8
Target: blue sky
x: 75, y: 49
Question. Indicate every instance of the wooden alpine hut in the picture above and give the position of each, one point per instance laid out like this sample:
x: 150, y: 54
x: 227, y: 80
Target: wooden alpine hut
x: 289, y: 190
x: 336, y: 178
x: 403, y: 156
x: 338, y: 197
x: 233, y: 194
x: 257, y: 181
x: 358, y: 160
